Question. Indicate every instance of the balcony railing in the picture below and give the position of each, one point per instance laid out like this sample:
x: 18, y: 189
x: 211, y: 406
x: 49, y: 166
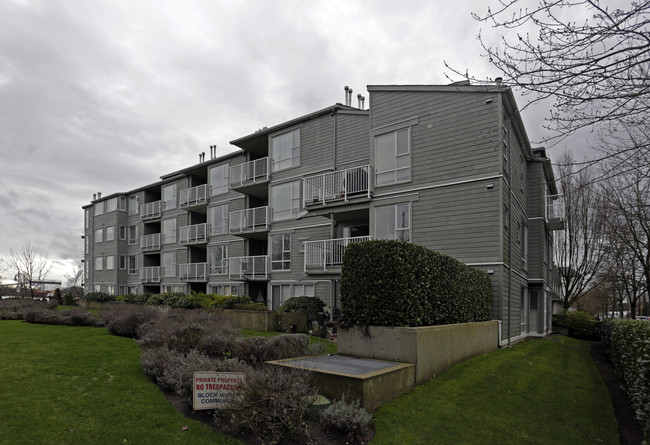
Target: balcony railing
x: 250, y: 172
x: 555, y: 212
x: 250, y: 220
x: 193, y: 271
x: 338, y: 185
x: 325, y: 254
x: 150, y: 274
x: 194, y: 196
x: 195, y: 234
x: 150, y: 242
x: 249, y: 267
x: 150, y: 210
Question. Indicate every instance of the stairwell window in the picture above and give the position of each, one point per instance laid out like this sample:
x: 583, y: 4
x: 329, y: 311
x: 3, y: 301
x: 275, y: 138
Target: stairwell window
x: 393, y: 157
x: 281, y: 252
x: 285, y: 150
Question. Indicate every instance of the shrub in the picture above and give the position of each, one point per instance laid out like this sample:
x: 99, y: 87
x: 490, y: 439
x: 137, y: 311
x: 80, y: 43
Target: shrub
x: 348, y: 417
x: 230, y: 301
x: 273, y: 406
x: 309, y: 306
x: 57, y: 295
x: 68, y: 300
x: 580, y: 324
x: 125, y: 320
x: 182, y: 330
x: 257, y: 350
x: 100, y: 297
x: 173, y: 299
x: 627, y: 343
x: 395, y: 283
x: 70, y: 317
x: 15, y: 308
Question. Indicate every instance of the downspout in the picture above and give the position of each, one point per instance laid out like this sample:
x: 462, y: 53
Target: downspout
x: 333, y: 282
x: 509, y: 230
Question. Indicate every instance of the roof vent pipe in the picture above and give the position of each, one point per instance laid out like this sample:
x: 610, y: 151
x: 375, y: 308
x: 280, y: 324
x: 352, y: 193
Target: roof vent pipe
x: 347, y: 90
x: 94, y: 196
x: 99, y: 195
x: 350, y: 97
x: 498, y: 81
x: 359, y: 96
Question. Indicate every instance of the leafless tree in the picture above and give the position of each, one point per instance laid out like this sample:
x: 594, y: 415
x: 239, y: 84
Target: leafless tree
x: 29, y: 266
x: 579, y: 249
x: 74, y: 281
x: 596, y: 69
x: 621, y: 274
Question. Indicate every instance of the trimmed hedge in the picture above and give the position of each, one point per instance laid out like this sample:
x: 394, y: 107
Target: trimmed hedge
x: 627, y: 343
x: 100, y: 297
x: 395, y: 283
x: 579, y: 323
x: 309, y: 306
x: 172, y: 299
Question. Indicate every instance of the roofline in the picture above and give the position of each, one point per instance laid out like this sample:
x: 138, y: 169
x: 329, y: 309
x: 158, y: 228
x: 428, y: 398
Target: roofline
x: 200, y: 164
x: 267, y: 130
x: 439, y: 88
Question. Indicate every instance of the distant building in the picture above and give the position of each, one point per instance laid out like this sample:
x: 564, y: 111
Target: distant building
x: 447, y: 167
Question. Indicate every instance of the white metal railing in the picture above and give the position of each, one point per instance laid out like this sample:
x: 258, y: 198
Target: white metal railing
x: 554, y: 207
x: 150, y: 210
x: 194, y: 195
x: 249, y: 220
x: 328, y: 253
x: 150, y: 242
x: 250, y: 172
x: 150, y: 274
x: 250, y: 267
x: 197, y: 233
x: 193, y: 271
x: 340, y: 184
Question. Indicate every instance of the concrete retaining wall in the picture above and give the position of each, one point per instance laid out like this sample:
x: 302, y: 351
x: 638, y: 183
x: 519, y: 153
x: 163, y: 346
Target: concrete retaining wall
x: 432, y: 349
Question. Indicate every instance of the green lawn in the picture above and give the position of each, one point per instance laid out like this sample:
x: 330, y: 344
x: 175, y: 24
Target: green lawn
x: 538, y: 392
x: 79, y: 385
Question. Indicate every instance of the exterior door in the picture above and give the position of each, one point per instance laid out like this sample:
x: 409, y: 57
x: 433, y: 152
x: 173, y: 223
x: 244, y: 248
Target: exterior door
x: 533, y: 312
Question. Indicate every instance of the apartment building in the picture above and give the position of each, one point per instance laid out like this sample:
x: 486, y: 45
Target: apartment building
x: 449, y: 167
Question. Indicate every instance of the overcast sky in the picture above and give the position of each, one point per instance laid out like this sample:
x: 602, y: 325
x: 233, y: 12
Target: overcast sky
x: 107, y: 96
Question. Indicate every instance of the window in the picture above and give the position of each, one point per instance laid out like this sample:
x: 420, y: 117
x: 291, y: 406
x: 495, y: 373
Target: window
x: 123, y: 233
x: 99, y: 235
x: 134, y: 204
x: 110, y: 289
x: 133, y: 234
x: 110, y: 233
x: 169, y: 231
x: 87, y: 218
x: 285, y: 200
x: 506, y: 216
x: 173, y: 288
x: 218, y: 259
x: 99, y: 263
x: 218, y: 219
x: 393, y: 157
x: 169, y: 197
x: 219, y: 179
x: 285, y: 150
x: 98, y: 288
x: 393, y: 222
x: 524, y: 246
x: 169, y: 264
x: 281, y: 252
x: 225, y: 289
x: 123, y: 261
x: 111, y: 205
x: 99, y: 208
x: 86, y: 244
x: 282, y: 292
x: 110, y: 262
x: 133, y: 264
x: 85, y: 270
x: 122, y: 203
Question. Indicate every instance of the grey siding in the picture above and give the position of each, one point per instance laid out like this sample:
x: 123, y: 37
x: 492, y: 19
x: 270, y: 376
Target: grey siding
x: 351, y: 140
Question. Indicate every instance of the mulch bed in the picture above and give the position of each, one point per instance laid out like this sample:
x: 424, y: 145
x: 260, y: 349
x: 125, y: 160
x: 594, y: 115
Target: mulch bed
x: 629, y: 429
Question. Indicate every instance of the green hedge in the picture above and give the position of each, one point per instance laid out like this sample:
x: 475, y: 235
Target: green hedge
x: 172, y: 299
x: 579, y: 323
x: 100, y: 297
x: 627, y: 343
x: 309, y: 306
x: 395, y: 283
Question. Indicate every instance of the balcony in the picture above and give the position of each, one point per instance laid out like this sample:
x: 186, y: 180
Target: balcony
x: 195, y: 234
x: 193, y: 271
x: 150, y: 274
x: 194, y: 196
x: 326, y: 256
x: 249, y: 267
x: 251, y: 223
x: 150, y: 210
x: 555, y: 212
x: 150, y: 243
x: 338, y: 186
x: 251, y: 177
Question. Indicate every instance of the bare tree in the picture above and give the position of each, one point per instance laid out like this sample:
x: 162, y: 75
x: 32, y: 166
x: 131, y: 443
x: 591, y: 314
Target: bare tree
x: 596, y: 69
x: 29, y: 266
x: 74, y: 281
x: 622, y: 274
x: 579, y: 249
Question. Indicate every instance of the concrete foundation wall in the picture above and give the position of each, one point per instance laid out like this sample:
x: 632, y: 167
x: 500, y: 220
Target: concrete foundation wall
x: 432, y: 349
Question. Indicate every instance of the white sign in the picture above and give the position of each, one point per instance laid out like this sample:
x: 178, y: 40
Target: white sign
x: 215, y: 390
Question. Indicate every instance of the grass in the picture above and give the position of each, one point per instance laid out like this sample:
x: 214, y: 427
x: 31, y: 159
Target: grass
x: 538, y: 392
x: 69, y: 385
x: 330, y: 346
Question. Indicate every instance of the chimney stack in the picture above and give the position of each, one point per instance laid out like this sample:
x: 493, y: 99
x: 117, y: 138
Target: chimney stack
x: 94, y: 196
x: 99, y: 195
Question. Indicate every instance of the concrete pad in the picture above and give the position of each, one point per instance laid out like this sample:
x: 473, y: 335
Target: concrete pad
x: 374, y: 381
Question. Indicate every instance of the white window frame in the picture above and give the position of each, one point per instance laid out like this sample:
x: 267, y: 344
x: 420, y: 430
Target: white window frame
x: 219, y: 269
x: 99, y: 208
x: 87, y: 218
x: 396, y: 158
x: 110, y: 233
x: 132, y: 268
x: 219, y: 187
x: 223, y: 224
x: 110, y: 262
x: 167, y: 238
x: 111, y: 205
x: 133, y: 240
x: 99, y: 235
x: 134, y: 204
x: 99, y: 263
x: 123, y: 262
x: 524, y: 244
x: 123, y: 233
x: 281, y: 191
x: 399, y: 227
x: 279, y: 163
x: 170, y: 203
x: 171, y: 270
x: 284, y: 260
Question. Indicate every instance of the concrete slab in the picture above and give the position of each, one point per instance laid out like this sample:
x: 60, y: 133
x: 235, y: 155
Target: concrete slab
x: 375, y: 382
